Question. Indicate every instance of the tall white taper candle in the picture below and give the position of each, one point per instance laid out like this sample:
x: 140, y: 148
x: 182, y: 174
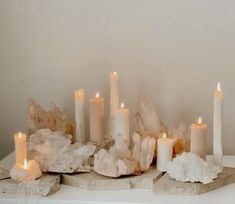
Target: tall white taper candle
x: 114, y: 101
x: 79, y: 116
x: 217, y: 126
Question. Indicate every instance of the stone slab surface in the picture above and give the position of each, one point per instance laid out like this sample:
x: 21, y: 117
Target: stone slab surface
x: 44, y: 186
x: 93, y: 181
x: 166, y: 185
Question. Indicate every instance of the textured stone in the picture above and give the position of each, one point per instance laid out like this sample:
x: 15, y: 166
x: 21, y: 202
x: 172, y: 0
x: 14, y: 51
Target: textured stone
x: 44, y: 186
x: 4, y: 173
x: 169, y: 186
x: 92, y: 181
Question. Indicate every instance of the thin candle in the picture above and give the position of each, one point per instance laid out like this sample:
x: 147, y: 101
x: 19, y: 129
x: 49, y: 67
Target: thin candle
x: 217, y: 126
x: 79, y: 116
x: 114, y: 101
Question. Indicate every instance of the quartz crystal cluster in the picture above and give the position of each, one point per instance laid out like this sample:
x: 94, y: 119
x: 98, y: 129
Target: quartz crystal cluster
x: 120, y: 160
x: 55, y: 153
x: 189, y: 167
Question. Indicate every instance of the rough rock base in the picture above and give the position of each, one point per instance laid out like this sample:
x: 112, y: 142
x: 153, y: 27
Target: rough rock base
x: 93, y: 181
x: 44, y: 186
x: 166, y: 185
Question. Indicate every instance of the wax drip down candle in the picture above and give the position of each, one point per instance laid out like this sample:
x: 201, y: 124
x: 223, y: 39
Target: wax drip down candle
x: 217, y: 126
x: 198, y: 138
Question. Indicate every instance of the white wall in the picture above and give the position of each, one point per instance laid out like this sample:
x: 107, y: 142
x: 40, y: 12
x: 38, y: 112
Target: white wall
x: 172, y: 51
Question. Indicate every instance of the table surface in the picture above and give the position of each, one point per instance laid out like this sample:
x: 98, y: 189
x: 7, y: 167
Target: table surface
x: 68, y: 194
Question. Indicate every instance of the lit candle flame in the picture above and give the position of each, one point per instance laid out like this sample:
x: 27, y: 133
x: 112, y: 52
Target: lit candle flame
x: 20, y: 135
x: 164, y: 135
x: 25, y: 164
x: 200, y: 120
x: 122, y: 105
x: 79, y: 93
x: 97, y: 95
x: 115, y: 73
x: 218, y: 87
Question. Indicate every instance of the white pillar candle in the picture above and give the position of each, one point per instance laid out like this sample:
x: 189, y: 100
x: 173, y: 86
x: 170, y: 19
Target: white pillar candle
x: 217, y: 126
x: 20, y: 148
x: 198, y: 138
x: 114, y: 100
x: 164, y: 152
x: 96, y: 119
x: 121, y: 123
x: 79, y: 116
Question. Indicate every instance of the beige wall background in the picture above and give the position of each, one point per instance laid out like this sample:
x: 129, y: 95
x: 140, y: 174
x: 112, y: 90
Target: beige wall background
x: 173, y: 52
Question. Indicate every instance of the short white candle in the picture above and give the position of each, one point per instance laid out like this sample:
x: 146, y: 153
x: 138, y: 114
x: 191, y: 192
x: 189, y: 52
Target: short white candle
x: 96, y: 118
x: 164, y: 152
x: 114, y: 100
x: 198, y: 138
x: 121, y: 123
x: 20, y: 148
x: 79, y: 116
x: 217, y: 126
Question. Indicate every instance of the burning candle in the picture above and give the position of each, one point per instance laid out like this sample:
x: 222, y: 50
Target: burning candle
x: 198, y: 138
x: 96, y: 118
x: 164, y: 152
x: 79, y: 116
x: 217, y: 126
x: 121, y: 123
x: 114, y: 100
x: 20, y: 148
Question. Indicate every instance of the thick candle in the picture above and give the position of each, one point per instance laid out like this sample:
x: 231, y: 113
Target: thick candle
x: 79, y: 116
x: 96, y: 119
x: 217, y: 126
x: 164, y: 152
x: 20, y: 148
x: 114, y: 100
x: 198, y: 138
x: 121, y: 123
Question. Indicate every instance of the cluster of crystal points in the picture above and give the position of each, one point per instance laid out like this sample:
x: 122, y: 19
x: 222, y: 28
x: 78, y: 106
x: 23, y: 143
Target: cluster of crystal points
x: 55, y: 153
x: 119, y: 160
x: 189, y: 167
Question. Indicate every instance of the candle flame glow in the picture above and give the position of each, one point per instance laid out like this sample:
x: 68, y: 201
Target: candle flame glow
x: 97, y: 95
x: 79, y: 93
x: 122, y: 105
x: 218, y: 87
x: 25, y: 164
x: 115, y: 73
x: 164, y: 135
x: 200, y: 120
x: 20, y: 135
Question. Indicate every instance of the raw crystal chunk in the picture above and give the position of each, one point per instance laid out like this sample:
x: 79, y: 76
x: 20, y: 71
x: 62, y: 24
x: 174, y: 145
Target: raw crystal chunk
x: 189, y: 167
x: 55, y: 153
x: 120, y: 160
